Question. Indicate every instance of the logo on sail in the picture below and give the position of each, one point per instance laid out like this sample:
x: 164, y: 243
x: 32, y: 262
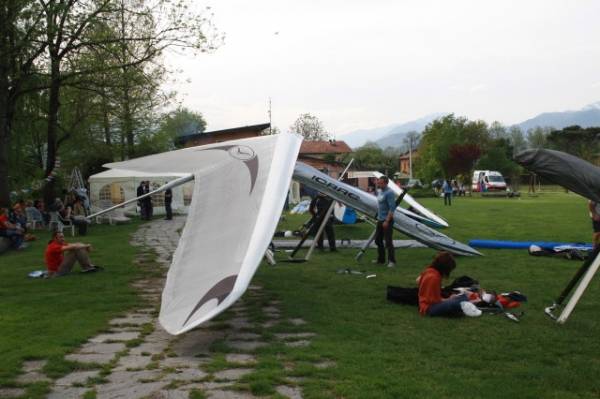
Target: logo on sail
x: 242, y: 152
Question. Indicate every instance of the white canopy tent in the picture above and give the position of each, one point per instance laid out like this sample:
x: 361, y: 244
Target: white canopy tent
x: 118, y: 185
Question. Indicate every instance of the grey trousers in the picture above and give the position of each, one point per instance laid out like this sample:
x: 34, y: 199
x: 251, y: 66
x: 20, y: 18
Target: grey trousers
x: 70, y: 257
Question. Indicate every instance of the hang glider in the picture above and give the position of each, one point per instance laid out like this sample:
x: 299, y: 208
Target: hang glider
x: 565, y: 169
x: 367, y: 204
x: 582, y: 178
x: 239, y: 192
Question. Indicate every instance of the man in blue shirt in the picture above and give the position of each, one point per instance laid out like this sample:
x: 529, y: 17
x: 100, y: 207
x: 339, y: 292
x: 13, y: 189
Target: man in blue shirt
x: 447, y: 189
x: 386, y: 200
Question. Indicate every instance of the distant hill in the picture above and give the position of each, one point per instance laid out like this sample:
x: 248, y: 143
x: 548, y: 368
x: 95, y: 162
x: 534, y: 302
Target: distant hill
x: 588, y: 116
x: 391, y: 135
x: 359, y: 137
x: 396, y: 136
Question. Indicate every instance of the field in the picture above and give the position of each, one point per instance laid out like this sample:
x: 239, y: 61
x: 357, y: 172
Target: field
x: 385, y: 350
x: 381, y: 350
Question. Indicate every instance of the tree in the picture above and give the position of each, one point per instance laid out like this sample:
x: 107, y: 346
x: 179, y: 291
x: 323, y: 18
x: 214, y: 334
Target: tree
x: 517, y: 139
x: 435, y: 156
x: 461, y: 159
x: 497, y: 130
x: 498, y: 156
x: 309, y: 127
x: 583, y: 143
x: 132, y: 33
x: 270, y: 131
x: 536, y: 137
x: 371, y: 157
x: 21, y: 44
x: 181, y: 122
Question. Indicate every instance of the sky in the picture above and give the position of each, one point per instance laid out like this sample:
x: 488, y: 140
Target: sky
x: 362, y: 64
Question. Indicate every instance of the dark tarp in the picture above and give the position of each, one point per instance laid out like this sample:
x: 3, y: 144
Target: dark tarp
x: 567, y: 170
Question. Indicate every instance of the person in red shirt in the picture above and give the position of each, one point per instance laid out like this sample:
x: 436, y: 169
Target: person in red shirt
x: 431, y: 302
x: 14, y: 232
x: 61, y: 256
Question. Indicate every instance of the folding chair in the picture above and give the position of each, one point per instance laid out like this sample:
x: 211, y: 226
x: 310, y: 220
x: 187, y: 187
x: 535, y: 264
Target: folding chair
x: 34, y: 217
x: 60, y: 223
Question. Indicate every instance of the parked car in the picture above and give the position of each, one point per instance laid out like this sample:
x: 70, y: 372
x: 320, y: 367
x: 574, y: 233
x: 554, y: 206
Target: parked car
x: 413, y: 183
x: 487, y: 180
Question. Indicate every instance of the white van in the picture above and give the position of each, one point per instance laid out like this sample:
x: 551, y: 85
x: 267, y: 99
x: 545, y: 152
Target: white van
x: 488, y: 180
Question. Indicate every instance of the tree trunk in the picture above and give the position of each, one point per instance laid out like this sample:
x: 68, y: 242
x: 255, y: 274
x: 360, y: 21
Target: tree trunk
x: 106, y: 120
x: 53, y: 107
x: 127, y: 120
x: 5, y: 103
x: 5, y: 119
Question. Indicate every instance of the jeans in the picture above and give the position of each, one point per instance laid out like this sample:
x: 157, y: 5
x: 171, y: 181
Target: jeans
x: 386, y: 235
x: 168, y: 211
x: 448, y: 199
x: 449, y: 307
x: 14, y: 235
x: 327, y: 230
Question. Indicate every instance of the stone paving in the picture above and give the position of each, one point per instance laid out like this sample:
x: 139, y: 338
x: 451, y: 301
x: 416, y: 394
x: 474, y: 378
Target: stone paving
x: 136, y: 358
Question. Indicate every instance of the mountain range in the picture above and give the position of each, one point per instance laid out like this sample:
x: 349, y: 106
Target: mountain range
x: 393, y: 135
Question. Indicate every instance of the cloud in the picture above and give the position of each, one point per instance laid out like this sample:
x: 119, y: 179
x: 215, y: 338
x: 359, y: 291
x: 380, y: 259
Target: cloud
x: 477, y: 88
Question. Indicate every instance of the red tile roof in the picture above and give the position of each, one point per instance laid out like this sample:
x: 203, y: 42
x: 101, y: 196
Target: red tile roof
x: 324, y: 147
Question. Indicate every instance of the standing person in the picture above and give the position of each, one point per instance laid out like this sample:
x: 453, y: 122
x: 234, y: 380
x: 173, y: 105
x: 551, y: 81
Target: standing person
x: 594, y: 209
x: 386, y: 205
x: 168, y: 200
x: 318, y: 208
x: 431, y: 302
x: 141, y: 203
x: 447, y: 189
x: 60, y: 256
x: 148, y: 201
x: 482, y: 186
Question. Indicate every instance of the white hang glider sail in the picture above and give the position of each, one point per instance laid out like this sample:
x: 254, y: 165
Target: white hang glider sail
x: 239, y: 191
x: 420, y: 209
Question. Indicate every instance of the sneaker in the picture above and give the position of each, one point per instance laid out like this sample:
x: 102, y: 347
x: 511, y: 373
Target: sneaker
x: 89, y: 270
x: 469, y: 309
x: 391, y: 264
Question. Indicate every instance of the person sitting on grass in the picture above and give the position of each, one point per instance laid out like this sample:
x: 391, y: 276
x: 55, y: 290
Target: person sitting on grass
x: 18, y: 216
x: 15, y: 233
x: 61, y: 256
x: 431, y: 302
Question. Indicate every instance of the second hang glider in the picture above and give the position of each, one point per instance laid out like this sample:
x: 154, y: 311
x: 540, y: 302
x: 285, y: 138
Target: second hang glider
x: 239, y: 191
x: 582, y: 178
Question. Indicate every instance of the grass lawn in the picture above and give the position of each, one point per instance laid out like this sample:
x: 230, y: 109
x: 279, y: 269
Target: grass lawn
x: 385, y: 350
x: 381, y: 350
x: 47, y: 318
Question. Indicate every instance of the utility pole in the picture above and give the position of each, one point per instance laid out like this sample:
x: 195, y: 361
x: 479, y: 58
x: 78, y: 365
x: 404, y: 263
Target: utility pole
x: 270, y: 118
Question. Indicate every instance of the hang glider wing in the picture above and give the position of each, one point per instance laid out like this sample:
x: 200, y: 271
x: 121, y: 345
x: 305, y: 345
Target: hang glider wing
x: 367, y: 204
x: 239, y: 191
x: 418, y: 208
x: 565, y: 169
